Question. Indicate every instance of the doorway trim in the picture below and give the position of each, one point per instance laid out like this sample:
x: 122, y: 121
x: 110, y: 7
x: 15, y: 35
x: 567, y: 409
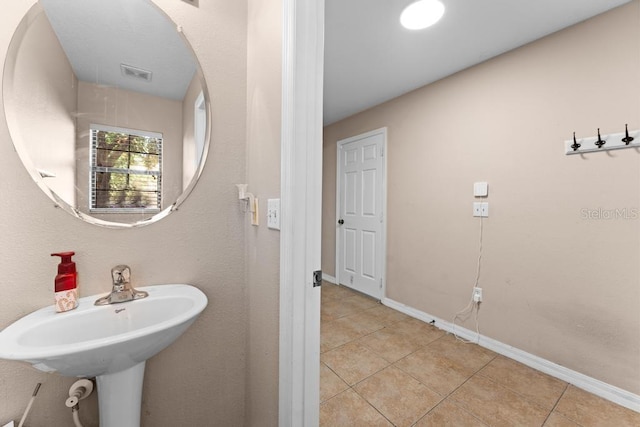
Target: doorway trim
x: 383, y: 193
x: 301, y: 213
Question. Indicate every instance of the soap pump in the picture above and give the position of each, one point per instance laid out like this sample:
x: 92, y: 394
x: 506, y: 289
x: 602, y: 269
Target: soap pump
x: 66, y: 292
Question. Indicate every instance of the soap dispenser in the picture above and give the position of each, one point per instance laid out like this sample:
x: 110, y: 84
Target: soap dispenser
x: 66, y: 292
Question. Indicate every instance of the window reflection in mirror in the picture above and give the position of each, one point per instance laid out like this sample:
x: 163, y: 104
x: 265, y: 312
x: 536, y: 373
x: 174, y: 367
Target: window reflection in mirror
x: 126, y: 170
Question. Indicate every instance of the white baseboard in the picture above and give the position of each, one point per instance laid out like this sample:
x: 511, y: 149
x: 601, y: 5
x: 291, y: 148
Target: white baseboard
x: 329, y: 279
x: 592, y: 385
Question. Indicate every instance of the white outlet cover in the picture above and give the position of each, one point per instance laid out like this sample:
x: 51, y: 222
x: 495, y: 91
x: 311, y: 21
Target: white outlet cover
x: 481, y: 209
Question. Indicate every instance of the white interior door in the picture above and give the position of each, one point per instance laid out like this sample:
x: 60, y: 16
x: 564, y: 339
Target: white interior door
x: 360, y: 239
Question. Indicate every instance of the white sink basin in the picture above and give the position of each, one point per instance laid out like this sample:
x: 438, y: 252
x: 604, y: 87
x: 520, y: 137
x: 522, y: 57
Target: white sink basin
x: 110, y: 342
x: 95, y: 340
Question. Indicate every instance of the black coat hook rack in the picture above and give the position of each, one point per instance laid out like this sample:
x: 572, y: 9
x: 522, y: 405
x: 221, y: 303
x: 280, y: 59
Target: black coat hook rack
x: 575, y: 144
x: 627, y: 139
x: 599, y: 143
x: 613, y: 141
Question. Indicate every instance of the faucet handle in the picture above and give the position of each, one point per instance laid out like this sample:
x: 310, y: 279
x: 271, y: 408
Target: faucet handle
x: 121, y: 275
x: 122, y: 290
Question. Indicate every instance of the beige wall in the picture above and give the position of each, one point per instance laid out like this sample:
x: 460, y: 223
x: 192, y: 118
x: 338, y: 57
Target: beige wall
x: 555, y: 284
x: 42, y: 93
x: 201, y: 379
x: 263, y: 176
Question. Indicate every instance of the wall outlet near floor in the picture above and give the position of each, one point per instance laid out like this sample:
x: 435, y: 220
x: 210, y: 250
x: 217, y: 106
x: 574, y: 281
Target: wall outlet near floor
x: 477, y: 294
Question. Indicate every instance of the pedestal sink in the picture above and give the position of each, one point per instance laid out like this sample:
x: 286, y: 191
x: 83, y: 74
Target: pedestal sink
x: 111, y: 343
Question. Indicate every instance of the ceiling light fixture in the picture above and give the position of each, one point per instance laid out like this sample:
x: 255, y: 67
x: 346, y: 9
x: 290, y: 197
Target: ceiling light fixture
x: 421, y: 14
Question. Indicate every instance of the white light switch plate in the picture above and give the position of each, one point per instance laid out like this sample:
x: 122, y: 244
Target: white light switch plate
x: 480, y: 189
x: 273, y: 214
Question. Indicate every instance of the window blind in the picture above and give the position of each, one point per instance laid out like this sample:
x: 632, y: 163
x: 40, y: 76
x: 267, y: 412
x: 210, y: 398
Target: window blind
x: 126, y: 170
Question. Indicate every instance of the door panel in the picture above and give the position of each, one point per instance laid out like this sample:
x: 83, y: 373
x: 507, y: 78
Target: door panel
x: 369, y: 254
x: 369, y: 181
x: 369, y: 152
x: 350, y: 251
x: 350, y: 200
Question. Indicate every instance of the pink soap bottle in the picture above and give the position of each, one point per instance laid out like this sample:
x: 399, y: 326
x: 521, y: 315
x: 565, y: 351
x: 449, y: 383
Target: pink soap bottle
x: 66, y: 292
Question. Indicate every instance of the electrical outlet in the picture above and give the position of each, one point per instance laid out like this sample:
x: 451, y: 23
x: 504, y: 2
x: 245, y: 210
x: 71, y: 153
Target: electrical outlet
x: 481, y: 209
x: 477, y: 294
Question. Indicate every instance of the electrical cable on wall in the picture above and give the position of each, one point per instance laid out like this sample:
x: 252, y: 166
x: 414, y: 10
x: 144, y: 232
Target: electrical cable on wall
x: 474, y: 306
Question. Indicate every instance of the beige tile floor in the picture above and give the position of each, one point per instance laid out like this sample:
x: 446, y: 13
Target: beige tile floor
x: 379, y: 367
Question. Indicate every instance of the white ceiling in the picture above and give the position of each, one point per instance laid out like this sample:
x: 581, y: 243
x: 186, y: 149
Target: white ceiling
x: 370, y: 58
x: 99, y: 35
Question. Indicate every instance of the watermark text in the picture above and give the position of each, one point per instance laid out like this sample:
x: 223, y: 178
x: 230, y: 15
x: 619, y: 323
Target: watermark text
x: 610, y: 214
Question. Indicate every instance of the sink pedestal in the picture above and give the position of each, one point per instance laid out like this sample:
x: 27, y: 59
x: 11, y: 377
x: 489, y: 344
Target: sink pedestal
x: 120, y: 397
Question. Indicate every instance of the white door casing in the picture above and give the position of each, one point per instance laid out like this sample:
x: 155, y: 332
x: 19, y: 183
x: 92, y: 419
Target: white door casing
x: 301, y: 201
x: 360, y: 212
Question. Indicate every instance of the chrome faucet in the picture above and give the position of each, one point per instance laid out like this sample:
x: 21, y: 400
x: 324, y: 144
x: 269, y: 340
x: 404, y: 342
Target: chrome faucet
x: 122, y: 290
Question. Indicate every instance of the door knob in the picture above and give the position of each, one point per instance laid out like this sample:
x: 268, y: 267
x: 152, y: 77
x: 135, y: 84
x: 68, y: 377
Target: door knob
x: 341, y: 221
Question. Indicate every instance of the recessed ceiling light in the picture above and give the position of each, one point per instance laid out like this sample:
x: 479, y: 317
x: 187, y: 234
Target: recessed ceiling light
x: 421, y: 14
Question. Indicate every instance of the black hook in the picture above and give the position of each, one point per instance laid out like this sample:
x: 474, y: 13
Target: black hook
x: 627, y: 139
x: 575, y: 144
x: 599, y: 143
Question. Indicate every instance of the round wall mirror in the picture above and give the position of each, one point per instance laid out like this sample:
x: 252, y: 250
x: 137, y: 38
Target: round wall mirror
x: 107, y: 108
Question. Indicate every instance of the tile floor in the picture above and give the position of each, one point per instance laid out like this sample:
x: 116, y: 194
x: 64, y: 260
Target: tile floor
x: 380, y: 367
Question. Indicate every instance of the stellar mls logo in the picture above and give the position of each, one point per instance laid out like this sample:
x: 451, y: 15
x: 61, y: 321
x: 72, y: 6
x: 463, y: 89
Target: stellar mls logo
x: 610, y: 214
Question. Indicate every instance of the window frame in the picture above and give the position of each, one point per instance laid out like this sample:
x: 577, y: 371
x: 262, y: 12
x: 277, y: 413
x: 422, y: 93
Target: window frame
x: 93, y: 168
